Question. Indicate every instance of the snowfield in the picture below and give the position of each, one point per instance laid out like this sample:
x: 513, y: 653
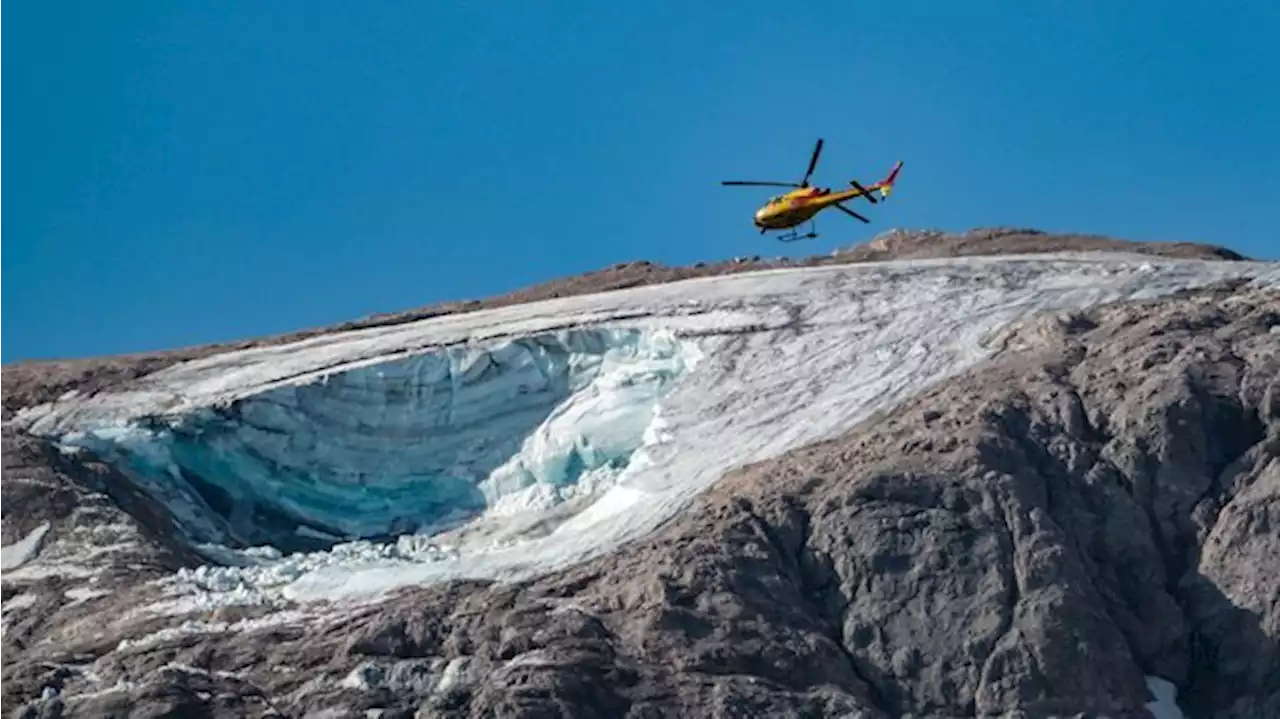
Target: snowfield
x: 511, y: 442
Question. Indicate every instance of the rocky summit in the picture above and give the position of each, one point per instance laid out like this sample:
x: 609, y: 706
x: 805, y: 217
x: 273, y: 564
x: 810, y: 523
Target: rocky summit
x: 1001, y: 473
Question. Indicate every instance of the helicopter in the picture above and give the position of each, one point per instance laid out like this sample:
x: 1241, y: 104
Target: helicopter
x: 789, y: 211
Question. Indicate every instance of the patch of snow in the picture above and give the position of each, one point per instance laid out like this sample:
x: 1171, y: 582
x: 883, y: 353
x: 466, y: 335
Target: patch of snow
x: 190, y: 627
x: 84, y: 594
x: 24, y: 550
x: 459, y: 673
x: 197, y: 671
x: 81, y: 549
x: 18, y: 601
x: 45, y: 570
x: 121, y: 686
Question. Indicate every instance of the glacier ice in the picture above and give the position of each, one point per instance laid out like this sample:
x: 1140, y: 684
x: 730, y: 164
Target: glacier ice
x: 649, y: 396
x: 412, y: 444
x: 1164, y: 705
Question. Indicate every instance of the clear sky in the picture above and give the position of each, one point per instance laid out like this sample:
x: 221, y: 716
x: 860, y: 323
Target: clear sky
x: 190, y: 172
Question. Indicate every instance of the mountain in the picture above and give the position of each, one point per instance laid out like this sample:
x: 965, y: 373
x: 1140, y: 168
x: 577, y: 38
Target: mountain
x: 996, y: 473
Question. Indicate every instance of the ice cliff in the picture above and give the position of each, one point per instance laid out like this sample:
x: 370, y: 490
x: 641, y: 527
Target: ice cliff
x: 409, y: 445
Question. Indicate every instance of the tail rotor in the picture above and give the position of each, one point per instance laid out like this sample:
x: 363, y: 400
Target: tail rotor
x: 886, y: 185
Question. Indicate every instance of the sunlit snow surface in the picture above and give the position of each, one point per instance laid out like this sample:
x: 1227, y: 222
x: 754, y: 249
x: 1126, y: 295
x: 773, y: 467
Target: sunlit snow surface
x: 685, y: 381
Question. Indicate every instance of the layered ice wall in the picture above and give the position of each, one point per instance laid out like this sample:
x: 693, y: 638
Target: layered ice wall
x: 409, y: 445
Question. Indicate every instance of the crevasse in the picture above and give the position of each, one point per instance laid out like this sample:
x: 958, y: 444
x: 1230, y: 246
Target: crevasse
x: 412, y: 445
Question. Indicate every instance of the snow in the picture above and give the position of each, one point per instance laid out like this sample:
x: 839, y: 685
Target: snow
x: 18, y: 601
x: 83, y: 548
x: 24, y: 550
x: 194, y: 627
x: 78, y: 595
x: 646, y: 398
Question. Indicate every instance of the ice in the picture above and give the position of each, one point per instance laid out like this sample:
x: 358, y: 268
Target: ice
x: 1165, y: 705
x: 644, y: 398
x: 419, y: 676
x: 24, y: 550
x: 409, y: 445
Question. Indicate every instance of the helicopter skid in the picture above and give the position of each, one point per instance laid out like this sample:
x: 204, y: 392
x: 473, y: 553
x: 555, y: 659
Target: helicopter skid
x: 795, y: 236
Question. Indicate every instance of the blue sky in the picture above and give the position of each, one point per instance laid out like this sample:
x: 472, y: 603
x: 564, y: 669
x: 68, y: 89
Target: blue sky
x: 195, y: 172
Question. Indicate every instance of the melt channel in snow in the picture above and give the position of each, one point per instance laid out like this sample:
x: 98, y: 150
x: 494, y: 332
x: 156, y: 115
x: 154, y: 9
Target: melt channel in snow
x: 515, y: 441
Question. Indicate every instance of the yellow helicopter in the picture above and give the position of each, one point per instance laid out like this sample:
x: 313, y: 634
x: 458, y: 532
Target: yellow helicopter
x: 788, y: 211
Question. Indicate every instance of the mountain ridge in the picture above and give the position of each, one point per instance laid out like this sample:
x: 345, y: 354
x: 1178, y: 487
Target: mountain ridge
x: 1040, y: 535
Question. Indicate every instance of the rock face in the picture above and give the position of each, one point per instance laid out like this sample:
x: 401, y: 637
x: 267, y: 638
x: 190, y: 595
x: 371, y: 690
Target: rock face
x: 1098, y: 504
x: 904, y: 245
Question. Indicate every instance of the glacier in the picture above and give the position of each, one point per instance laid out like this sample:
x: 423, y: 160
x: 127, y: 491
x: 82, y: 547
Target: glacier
x: 408, y: 446
x: 515, y: 441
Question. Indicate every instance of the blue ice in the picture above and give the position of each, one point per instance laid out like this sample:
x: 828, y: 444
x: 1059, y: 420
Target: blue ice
x: 409, y: 445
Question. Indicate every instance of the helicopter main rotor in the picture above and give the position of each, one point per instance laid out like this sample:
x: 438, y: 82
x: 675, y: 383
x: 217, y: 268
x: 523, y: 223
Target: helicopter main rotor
x: 813, y: 163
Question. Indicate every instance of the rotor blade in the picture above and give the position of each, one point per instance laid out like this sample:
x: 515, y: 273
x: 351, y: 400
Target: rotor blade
x: 865, y: 193
x: 813, y: 163
x: 750, y: 182
x: 847, y: 211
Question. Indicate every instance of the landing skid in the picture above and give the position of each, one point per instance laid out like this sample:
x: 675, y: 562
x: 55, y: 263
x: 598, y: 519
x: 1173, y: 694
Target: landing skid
x: 795, y: 236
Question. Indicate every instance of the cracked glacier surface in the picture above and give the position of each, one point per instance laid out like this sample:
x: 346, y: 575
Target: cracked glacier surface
x: 414, y: 445
x: 520, y: 440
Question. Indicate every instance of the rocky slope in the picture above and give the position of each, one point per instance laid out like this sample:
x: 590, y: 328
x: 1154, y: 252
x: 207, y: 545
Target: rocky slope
x: 1098, y: 504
